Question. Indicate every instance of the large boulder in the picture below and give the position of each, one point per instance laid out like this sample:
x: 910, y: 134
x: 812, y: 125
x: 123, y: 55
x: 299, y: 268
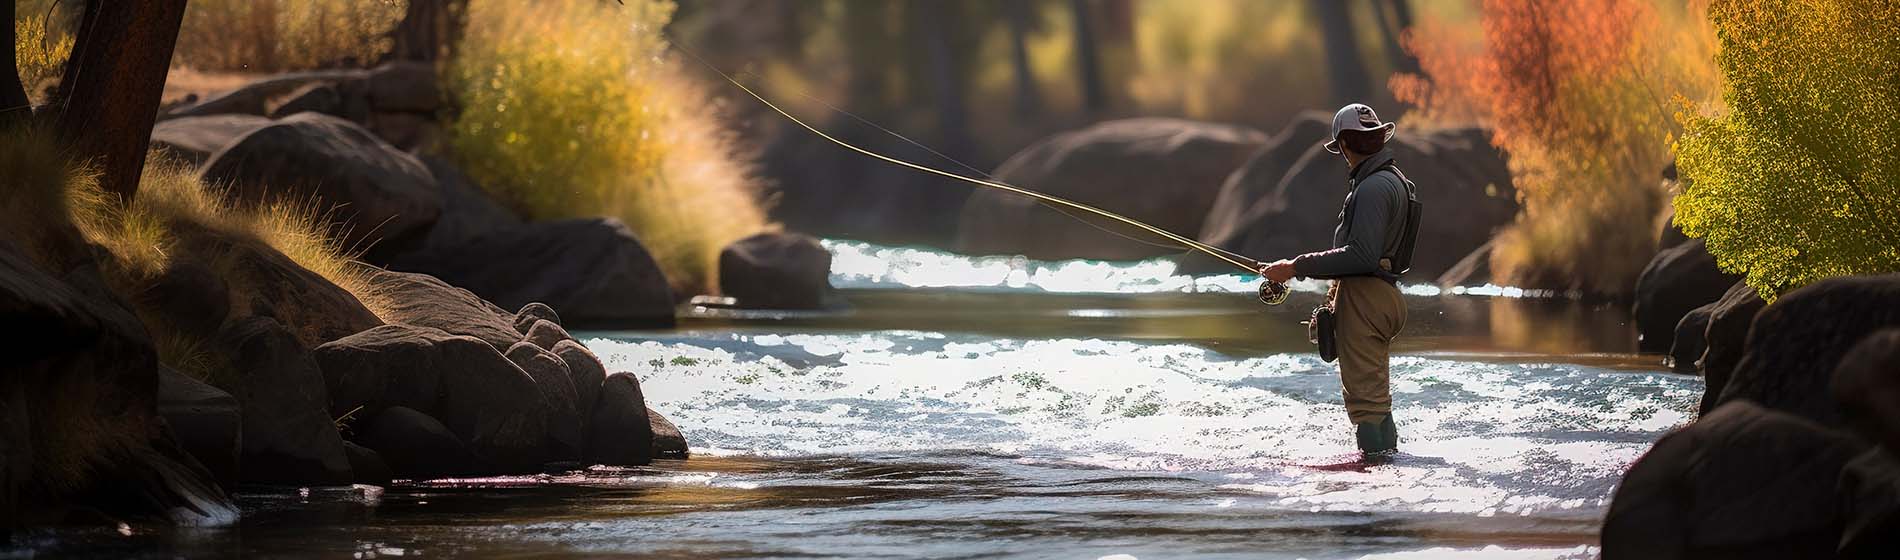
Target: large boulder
x: 79, y: 419
x: 1290, y: 209
x: 1677, y: 280
x: 426, y: 301
x: 416, y: 446
x: 288, y: 435
x: 546, y: 334
x: 404, y: 86
x: 257, y: 98
x: 1166, y: 172
x: 776, y: 271
x: 193, y: 139
x: 593, y: 271
x: 828, y: 191
x: 566, y: 427
x: 188, y: 298
x: 266, y: 283
x: 478, y: 394
x: 1870, y: 505
x: 620, y: 431
x: 1726, y: 340
x: 1867, y: 385
x: 343, y: 100
x: 1797, y: 343
x: 367, y: 465
x: 383, y: 194
x: 1742, y: 482
x: 466, y: 212
x: 205, y: 420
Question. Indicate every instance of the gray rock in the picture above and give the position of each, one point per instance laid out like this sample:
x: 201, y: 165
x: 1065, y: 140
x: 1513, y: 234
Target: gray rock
x: 1867, y: 386
x: 1797, y: 343
x: 1742, y: 482
x: 425, y: 301
x: 566, y: 432
x: 367, y: 465
x: 668, y: 442
x: 1677, y: 280
x: 256, y: 97
x: 776, y: 271
x: 288, y: 434
x: 188, y: 297
x: 1166, y: 172
x: 405, y: 131
x: 467, y: 212
x: 1287, y: 198
x: 272, y: 285
x: 546, y: 334
x: 312, y: 98
x: 1726, y: 340
x: 1687, y: 348
x: 532, y: 312
x: 585, y: 369
x: 205, y: 420
x: 593, y: 271
x: 383, y: 194
x: 404, y: 86
x: 417, y: 446
x: 193, y: 139
x: 479, y: 395
x: 621, y: 431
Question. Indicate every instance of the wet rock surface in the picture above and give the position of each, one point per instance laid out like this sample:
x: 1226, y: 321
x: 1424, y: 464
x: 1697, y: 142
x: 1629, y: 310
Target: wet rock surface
x: 1678, y: 280
x: 776, y: 271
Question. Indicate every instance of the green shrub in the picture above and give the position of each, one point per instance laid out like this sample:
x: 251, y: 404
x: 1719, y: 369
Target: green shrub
x: 1800, y: 179
x: 571, y: 108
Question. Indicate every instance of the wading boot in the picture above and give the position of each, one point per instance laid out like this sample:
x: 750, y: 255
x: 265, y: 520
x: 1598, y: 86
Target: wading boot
x: 1389, y: 434
x: 1372, y: 437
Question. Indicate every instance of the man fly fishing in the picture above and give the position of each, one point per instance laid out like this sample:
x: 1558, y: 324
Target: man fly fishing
x: 1372, y: 247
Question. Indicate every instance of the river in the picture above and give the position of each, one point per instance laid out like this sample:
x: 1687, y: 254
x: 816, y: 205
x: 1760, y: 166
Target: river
x: 997, y: 407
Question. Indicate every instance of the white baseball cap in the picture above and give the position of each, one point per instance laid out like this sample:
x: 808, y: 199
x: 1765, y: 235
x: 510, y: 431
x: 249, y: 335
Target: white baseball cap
x: 1357, y: 117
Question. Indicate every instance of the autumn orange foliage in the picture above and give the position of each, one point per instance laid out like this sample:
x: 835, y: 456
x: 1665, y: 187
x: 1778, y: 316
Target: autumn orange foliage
x: 1580, y: 94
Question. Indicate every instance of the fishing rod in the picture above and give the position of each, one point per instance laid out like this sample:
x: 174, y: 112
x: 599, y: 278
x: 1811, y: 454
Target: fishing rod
x: 1271, y: 293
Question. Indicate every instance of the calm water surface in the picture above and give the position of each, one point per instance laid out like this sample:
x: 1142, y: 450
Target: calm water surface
x: 999, y: 407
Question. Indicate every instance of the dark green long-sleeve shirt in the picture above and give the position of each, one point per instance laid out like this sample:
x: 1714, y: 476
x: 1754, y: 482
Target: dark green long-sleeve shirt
x: 1378, y: 219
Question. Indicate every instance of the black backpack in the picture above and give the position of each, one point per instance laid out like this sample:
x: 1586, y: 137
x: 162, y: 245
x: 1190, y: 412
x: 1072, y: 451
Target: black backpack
x: 1401, y: 255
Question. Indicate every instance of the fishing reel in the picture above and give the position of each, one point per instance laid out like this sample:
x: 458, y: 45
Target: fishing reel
x: 1273, y: 293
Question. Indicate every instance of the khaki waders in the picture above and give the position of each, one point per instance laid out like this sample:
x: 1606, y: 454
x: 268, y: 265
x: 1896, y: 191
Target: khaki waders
x: 1370, y: 312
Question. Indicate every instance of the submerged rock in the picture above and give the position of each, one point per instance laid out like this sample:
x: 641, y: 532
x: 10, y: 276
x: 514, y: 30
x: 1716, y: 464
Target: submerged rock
x: 1798, y: 342
x: 1166, y: 172
x: 668, y: 442
x: 1273, y: 207
x: 1742, y: 482
x: 1677, y: 280
x: 206, y: 421
x: 776, y: 271
x: 1726, y: 339
x: 621, y: 431
x: 383, y: 194
x: 593, y: 271
x: 417, y: 446
x: 288, y: 436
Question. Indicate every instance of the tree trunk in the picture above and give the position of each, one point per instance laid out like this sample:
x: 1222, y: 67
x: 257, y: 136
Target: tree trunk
x: 1087, y: 61
x: 428, y: 30
x: 1392, y: 26
x: 1343, y: 62
x: 113, y: 83
x: 937, y: 21
x: 14, y: 106
x: 1028, y: 99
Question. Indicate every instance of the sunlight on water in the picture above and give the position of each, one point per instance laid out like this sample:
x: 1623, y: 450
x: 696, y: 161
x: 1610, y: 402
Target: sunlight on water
x: 1479, y: 438
x: 862, y: 265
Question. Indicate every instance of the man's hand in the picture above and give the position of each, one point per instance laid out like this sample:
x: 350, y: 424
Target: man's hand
x: 1278, y: 271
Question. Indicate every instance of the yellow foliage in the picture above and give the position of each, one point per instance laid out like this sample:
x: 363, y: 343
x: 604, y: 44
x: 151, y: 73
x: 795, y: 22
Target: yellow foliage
x: 39, y: 50
x: 276, y: 35
x: 571, y: 108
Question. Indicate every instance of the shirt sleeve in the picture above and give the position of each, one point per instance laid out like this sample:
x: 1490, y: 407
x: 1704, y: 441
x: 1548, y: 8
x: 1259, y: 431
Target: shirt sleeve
x: 1365, y: 242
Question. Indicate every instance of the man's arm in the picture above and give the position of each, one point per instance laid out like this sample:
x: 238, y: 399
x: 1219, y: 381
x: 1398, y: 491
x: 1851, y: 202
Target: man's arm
x: 1365, y: 242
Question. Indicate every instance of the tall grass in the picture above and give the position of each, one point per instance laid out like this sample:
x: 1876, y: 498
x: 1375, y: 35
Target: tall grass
x: 572, y: 108
x: 277, y: 35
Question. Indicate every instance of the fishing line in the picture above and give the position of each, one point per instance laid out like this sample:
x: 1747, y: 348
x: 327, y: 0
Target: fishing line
x: 1238, y: 261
